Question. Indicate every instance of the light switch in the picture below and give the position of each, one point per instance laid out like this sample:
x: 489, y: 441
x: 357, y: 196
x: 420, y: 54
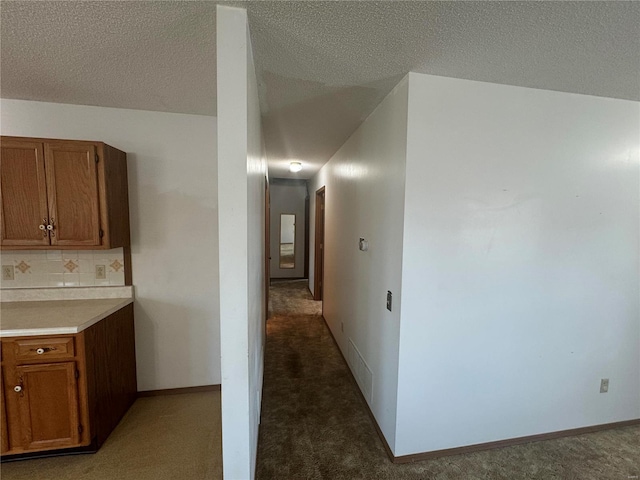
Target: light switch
x: 389, y: 295
x: 363, y: 245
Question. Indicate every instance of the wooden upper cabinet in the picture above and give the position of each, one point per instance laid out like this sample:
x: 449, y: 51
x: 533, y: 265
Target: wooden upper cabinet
x: 72, y: 192
x: 77, y: 191
x: 23, y: 191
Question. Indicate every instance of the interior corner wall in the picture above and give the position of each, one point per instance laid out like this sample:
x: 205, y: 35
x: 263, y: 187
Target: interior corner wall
x: 241, y: 190
x: 521, y: 260
x: 287, y: 197
x: 364, y: 197
x: 171, y: 162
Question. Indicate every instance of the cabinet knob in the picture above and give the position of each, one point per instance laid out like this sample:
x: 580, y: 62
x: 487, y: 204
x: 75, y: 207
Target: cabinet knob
x: 17, y: 388
x: 40, y: 351
x: 44, y: 226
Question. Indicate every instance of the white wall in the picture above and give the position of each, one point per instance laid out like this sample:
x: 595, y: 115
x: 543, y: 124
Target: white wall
x: 521, y: 263
x: 173, y: 205
x: 287, y: 197
x: 364, y: 198
x: 257, y: 171
x: 241, y: 188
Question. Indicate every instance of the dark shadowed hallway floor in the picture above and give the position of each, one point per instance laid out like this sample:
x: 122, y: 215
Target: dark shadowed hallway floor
x: 316, y: 426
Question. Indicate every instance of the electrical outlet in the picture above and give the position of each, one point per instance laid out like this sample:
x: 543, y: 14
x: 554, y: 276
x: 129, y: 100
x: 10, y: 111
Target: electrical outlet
x: 604, y: 385
x: 101, y: 272
x: 389, y: 295
x: 7, y: 272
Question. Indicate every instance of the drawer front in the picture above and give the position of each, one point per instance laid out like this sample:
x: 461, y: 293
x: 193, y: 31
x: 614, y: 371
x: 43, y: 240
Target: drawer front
x: 44, y: 348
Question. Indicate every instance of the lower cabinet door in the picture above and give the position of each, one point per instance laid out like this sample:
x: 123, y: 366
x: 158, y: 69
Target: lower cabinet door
x: 48, y: 405
x: 4, y: 431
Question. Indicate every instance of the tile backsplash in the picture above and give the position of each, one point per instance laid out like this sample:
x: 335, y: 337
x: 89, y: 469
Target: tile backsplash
x: 62, y: 268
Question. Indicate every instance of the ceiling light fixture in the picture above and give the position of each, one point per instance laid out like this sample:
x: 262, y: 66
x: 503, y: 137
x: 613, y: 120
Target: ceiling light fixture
x: 295, y: 166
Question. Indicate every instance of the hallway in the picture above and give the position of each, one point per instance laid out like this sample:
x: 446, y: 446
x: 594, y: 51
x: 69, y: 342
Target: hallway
x: 315, y: 424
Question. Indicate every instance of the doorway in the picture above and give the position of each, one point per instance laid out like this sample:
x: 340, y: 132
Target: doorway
x: 318, y: 284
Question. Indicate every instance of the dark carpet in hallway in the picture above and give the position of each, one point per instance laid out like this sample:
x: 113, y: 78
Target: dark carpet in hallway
x: 316, y: 426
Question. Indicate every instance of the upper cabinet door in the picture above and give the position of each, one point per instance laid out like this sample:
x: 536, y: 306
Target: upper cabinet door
x: 72, y: 189
x: 23, y: 193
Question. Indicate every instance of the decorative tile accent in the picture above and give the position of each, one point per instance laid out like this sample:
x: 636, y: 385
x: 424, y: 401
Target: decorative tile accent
x: 71, y: 266
x: 62, y: 268
x: 23, y: 266
x: 116, y: 265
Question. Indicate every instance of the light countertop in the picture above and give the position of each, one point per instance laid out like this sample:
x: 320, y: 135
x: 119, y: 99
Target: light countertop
x: 55, y: 317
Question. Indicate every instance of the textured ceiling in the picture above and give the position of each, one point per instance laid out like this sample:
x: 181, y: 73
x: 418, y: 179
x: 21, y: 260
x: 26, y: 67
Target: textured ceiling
x: 325, y: 65
x: 143, y: 55
x: 322, y: 66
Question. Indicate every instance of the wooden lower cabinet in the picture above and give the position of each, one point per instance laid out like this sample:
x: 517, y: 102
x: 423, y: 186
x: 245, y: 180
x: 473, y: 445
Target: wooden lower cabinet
x: 4, y: 433
x: 48, y: 406
x: 67, y: 391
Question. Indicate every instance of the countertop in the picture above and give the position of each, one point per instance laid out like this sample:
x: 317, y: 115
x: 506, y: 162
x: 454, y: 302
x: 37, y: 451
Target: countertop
x: 56, y: 317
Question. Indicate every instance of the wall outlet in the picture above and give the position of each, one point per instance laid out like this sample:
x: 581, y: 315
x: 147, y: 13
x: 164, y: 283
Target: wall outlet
x: 604, y: 385
x: 7, y: 272
x: 101, y: 272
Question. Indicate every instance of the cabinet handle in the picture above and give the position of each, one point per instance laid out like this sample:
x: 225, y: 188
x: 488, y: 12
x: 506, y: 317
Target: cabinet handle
x: 51, y: 227
x: 17, y: 388
x: 42, y: 350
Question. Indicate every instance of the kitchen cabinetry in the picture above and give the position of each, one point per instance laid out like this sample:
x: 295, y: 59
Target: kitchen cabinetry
x: 62, y: 194
x: 4, y: 435
x: 67, y: 391
x: 48, y: 409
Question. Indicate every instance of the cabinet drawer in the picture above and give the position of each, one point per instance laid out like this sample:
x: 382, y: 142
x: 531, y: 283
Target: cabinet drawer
x: 44, y: 348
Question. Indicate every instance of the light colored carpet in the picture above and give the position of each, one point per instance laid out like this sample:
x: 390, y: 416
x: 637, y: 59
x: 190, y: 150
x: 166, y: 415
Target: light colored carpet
x: 167, y: 437
x: 315, y: 425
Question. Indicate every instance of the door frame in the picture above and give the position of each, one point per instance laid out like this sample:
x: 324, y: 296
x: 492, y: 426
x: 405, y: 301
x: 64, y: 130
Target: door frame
x: 267, y: 245
x: 318, y: 271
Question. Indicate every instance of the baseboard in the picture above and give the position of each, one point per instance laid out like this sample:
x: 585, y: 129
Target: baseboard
x: 512, y: 441
x: 417, y: 457
x: 179, y: 391
x: 286, y: 279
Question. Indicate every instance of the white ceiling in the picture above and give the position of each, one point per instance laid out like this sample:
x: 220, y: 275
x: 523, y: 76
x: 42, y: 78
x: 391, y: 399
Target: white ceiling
x: 322, y: 66
x: 145, y: 55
